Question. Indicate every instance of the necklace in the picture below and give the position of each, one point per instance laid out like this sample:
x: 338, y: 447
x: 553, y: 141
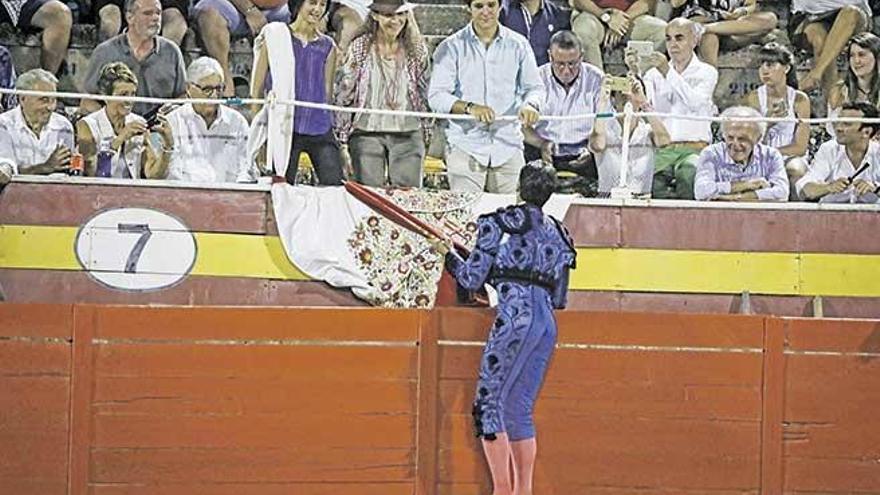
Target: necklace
x: 389, y: 78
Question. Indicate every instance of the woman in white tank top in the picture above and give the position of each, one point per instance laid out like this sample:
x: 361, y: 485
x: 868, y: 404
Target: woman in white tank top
x: 114, y: 126
x: 777, y: 97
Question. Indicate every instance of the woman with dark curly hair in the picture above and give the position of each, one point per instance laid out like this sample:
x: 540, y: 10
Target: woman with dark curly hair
x: 385, y: 67
x: 117, y: 131
x: 526, y: 256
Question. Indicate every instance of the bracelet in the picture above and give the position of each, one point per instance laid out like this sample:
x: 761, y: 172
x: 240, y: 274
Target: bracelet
x: 168, y: 150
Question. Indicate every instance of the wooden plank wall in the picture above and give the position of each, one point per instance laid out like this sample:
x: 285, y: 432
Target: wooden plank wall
x: 265, y: 401
x: 35, y: 384
x: 832, y: 390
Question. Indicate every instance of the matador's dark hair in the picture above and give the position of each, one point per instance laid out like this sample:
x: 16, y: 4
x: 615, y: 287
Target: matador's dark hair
x: 537, y: 181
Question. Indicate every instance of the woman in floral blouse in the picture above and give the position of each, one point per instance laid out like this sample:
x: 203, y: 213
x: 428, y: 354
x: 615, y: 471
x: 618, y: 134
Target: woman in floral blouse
x: 385, y: 67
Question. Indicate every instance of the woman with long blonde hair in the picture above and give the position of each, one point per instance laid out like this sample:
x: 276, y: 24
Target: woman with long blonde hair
x: 385, y: 67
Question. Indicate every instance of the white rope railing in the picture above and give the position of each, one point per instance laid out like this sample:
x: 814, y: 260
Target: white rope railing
x: 628, y: 114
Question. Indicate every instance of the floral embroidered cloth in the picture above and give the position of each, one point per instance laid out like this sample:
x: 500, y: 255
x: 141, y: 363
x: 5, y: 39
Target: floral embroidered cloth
x: 330, y: 235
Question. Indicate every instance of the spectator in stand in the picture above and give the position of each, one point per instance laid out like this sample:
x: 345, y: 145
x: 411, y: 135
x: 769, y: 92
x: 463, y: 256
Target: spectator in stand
x: 482, y: 153
x: 572, y: 88
x: 108, y: 14
x: 777, y: 97
x: 7, y: 80
x: 682, y: 85
x: 210, y: 141
x: 32, y: 135
x: 314, y: 56
x: 125, y: 135
x: 537, y: 20
x: 741, y: 168
x: 606, y: 141
x: 825, y: 26
x: 608, y: 23
x: 52, y: 17
x: 346, y: 18
x: 156, y: 62
x: 385, y: 67
x: 736, y: 22
x: 832, y: 175
x: 862, y: 80
x: 221, y: 21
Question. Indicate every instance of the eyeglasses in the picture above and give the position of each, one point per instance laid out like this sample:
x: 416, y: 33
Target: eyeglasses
x: 566, y: 65
x: 210, y: 90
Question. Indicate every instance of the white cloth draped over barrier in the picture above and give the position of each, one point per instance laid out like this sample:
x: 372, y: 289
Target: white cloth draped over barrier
x: 332, y: 236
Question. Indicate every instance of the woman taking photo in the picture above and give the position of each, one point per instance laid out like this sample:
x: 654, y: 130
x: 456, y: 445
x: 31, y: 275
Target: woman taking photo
x: 311, y: 64
x: 385, y: 67
x: 112, y: 140
x: 777, y: 97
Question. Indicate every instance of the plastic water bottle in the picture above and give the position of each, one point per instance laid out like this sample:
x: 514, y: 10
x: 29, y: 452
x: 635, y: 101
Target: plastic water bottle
x: 104, y: 159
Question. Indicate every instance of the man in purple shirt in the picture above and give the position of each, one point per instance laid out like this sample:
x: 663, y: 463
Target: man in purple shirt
x: 537, y: 20
x: 740, y: 168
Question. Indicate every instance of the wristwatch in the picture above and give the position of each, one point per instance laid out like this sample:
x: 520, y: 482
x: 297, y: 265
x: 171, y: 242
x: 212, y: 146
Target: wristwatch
x: 468, y: 106
x: 605, y: 17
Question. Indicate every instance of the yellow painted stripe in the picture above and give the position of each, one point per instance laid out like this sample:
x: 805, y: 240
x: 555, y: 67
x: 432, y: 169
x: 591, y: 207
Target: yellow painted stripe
x: 656, y: 270
x: 242, y: 255
x: 607, y: 269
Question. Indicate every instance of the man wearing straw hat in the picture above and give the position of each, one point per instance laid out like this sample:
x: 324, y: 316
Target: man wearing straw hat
x: 487, y: 71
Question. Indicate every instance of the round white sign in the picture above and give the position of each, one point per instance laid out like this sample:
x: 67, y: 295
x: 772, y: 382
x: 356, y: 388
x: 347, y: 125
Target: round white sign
x: 136, y: 249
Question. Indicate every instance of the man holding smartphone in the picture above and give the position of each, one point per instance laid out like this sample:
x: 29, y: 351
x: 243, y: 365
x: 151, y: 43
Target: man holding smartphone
x: 682, y: 85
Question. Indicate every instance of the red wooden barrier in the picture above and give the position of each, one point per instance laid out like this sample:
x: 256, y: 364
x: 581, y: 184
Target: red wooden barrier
x: 168, y: 401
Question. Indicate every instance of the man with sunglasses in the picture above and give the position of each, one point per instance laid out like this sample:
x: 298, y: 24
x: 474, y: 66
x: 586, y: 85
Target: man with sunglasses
x: 572, y: 88
x: 210, y: 140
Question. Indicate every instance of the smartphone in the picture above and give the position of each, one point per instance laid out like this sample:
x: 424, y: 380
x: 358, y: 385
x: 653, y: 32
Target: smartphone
x: 643, y: 50
x: 619, y: 84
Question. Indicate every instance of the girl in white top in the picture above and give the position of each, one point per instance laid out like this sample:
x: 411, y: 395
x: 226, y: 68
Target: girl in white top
x: 123, y: 131
x: 645, y: 134
x: 777, y: 97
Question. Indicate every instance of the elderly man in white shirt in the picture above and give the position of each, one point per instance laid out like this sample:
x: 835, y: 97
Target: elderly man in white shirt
x: 833, y: 176
x: 36, y: 139
x: 681, y: 85
x: 210, y: 141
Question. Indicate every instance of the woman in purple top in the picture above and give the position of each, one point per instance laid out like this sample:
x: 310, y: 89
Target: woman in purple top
x: 315, y: 63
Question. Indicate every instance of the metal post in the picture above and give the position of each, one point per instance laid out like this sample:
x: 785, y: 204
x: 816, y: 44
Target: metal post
x: 622, y: 191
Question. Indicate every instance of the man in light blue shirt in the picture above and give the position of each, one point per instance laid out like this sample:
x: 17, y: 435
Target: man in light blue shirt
x: 740, y: 168
x: 485, y: 70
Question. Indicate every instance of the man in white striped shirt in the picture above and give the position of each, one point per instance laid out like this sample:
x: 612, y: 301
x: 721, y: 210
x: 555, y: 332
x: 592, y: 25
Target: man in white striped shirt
x: 572, y: 87
x: 740, y: 168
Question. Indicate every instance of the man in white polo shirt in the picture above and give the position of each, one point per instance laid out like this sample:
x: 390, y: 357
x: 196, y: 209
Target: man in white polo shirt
x: 35, y: 138
x: 846, y: 169
x: 210, y: 141
x: 682, y: 85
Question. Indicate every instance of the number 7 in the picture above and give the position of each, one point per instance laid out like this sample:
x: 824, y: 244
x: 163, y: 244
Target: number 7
x: 135, y: 254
